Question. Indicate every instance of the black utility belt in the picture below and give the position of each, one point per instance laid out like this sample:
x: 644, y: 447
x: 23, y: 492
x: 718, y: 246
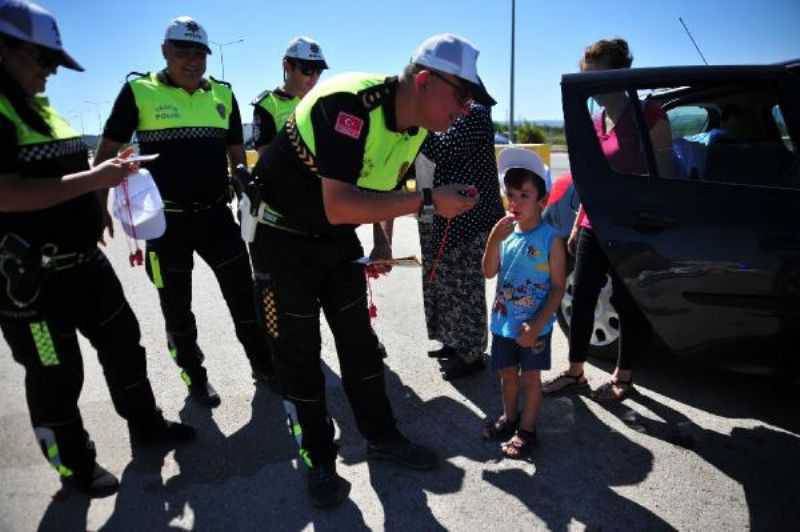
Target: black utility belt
x: 176, y: 207
x: 272, y: 218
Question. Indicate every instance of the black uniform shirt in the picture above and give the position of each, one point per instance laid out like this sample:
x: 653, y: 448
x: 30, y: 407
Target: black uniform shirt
x: 74, y: 225
x: 292, y: 187
x: 192, y: 167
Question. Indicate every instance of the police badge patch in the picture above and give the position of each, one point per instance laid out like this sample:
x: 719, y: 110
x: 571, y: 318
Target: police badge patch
x: 221, y: 110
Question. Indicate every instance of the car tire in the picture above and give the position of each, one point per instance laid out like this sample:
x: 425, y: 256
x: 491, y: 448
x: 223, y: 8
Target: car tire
x: 604, y: 343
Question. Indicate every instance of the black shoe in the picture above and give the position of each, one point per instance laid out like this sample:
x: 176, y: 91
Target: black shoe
x: 402, y: 452
x: 325, y: 487
x: 205, y: 394
x: 160, y: 431
x: 444, y: 352
x: 96, y: 484
x: 460, y: 369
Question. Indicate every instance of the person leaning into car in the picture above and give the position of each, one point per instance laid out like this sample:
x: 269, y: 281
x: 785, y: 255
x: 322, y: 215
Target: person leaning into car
x: 616, y: 130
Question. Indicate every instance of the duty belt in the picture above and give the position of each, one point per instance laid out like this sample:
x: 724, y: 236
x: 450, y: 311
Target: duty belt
x: 173, y: 206
x: 269, y: 216
x: 65, y: 261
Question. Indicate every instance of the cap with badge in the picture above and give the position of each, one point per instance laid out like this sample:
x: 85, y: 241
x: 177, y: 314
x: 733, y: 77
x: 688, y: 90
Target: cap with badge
x: 454, y: 55
x: 184, y: 30
x: 307, y: 50
x: 511, y: 158
x: 31, y: 23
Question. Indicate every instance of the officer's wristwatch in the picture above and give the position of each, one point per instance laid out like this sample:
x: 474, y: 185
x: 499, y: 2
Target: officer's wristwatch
x: 427, y: 209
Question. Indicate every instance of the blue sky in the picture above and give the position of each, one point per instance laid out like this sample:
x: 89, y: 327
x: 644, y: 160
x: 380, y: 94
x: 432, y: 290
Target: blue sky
x: 112, y: 38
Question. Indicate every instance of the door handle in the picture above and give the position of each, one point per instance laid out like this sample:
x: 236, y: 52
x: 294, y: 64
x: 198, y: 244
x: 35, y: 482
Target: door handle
x: 647, y: 221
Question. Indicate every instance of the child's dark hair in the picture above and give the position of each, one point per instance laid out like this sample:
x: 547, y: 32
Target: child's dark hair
x: 516, y: 177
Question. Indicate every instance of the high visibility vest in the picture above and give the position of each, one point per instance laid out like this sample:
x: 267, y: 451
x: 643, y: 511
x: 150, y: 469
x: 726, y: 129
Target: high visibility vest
x: 387, y: 154
x: 34, y: 146
x: 167, y: 112
x: 279, y: 107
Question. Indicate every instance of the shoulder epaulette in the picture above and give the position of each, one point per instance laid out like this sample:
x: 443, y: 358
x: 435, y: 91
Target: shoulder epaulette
x: 260, y: 97
x: 220, y: 82
x: 372, y: 97
x: 136, y: 74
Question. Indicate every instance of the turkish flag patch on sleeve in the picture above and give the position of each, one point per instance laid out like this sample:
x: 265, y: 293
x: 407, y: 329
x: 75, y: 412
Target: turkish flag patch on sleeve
x: 349, y: 125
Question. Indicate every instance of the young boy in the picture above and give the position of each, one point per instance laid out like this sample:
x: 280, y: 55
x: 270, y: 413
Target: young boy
x: 531, y: 261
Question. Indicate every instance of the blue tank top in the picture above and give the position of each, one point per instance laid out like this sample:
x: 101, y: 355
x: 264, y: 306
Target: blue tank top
x: 523, y: 282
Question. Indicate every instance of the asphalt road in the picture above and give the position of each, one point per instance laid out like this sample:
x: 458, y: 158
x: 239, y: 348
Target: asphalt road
x: 697, y: 449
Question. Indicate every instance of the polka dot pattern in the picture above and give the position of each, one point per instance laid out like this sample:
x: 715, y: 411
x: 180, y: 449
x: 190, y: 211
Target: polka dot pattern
x: 465, y: 154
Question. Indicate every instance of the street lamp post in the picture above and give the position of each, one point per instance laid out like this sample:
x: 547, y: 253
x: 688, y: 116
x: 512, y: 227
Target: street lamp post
x: 220, y: 45
x: 511, y: 112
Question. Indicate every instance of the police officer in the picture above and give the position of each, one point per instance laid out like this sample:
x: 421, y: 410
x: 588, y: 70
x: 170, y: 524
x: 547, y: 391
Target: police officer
x: 303, y: 63
x: 333, y: 166
x: 54, y: 280
x: 193, y: 123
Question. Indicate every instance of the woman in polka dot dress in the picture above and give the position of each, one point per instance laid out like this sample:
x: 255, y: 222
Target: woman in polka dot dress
x: 455, y: 299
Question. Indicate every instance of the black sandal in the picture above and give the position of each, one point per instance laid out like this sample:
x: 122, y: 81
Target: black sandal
x: 563, y: 383
x: 522, y: 444
x: 500, y: 429
x: 606, y: 391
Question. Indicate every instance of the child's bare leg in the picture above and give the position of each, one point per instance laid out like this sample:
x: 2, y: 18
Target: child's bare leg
x: 531, y: 382
x: 509, y: 380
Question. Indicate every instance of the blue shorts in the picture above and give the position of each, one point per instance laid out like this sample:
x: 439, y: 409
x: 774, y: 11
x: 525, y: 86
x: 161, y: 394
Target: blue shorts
x: 507, y: 353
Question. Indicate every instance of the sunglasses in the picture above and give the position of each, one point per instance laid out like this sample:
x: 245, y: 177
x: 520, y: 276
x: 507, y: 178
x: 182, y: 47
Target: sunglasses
x: 44, y: 57
x: 309, y: 70
x: 463, y: 94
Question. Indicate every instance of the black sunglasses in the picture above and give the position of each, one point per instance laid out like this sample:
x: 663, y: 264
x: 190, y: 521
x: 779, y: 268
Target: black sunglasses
x: 45, y: 57
x: 307, y: 69
x: 463, y: 94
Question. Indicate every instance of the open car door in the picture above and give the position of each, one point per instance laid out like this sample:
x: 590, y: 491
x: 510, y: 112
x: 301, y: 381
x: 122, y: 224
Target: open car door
x: 691, y: 179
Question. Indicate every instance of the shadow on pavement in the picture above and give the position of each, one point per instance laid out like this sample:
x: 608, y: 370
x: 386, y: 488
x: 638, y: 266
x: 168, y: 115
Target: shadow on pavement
x: 578, y: 461
x: 761, y: 459
x: 67, y: 511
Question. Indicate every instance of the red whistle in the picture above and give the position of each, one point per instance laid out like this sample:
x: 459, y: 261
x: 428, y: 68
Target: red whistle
x: 136, y: 259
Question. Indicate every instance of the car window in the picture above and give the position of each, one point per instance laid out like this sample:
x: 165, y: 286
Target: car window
x: 732, y: 134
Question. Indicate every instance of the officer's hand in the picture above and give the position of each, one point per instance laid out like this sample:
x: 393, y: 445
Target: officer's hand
x: 452, y: 200
x: 110, y: 173
x: 381, y: 252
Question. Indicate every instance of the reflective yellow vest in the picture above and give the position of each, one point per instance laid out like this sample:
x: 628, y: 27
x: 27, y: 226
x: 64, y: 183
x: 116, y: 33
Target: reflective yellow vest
x: 166, y: 107
x: 33, y: 144
x: 279, y: 107
x: 387, y: 154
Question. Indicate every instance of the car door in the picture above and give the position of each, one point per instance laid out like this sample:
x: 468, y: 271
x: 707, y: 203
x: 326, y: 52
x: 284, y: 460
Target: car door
x: 703, y: 230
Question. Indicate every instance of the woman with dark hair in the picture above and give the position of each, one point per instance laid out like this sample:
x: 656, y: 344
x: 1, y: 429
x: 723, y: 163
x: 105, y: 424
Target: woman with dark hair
x: 54, y: 281
x: 619, y: 138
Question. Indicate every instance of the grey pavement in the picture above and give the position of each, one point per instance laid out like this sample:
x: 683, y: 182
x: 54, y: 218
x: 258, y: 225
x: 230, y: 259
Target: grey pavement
x: 697, y: 449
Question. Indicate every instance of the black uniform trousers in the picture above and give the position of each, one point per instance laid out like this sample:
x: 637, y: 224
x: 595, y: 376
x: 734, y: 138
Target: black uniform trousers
x: 297, y: 276
x: 42, y: 337
x: 214, y: 235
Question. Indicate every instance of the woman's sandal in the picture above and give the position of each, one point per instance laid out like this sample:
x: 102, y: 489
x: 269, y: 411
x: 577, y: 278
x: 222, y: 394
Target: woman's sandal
x: 606, y: 392
x: 520, y: 446
x: 564, y: 382
x: 500, y: 429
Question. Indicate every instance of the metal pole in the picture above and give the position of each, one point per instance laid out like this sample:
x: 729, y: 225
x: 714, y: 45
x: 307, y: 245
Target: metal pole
x: 222, y: 62
x: 511, y: 112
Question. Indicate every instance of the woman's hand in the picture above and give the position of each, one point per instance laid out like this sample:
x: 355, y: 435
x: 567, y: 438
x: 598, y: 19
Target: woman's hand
x: 110, y: 173
x: 572, y: 242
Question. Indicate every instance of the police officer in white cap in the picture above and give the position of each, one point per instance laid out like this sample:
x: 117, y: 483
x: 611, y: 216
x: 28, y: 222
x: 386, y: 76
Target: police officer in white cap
x: 303, y: 64
x: 193, y: 123
x: 54, y: 281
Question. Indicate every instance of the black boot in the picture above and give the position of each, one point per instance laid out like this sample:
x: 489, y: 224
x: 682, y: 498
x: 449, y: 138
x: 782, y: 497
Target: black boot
x: 325, y: 487
x: 204, y: 393
x: 156, y: 430
x: 95, y: 483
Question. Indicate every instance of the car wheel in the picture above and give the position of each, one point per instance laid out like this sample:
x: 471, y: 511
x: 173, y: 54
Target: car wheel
x: 605, y: 333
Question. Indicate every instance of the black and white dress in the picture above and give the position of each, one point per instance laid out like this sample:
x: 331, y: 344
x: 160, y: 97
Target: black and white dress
x: 455, y: 301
